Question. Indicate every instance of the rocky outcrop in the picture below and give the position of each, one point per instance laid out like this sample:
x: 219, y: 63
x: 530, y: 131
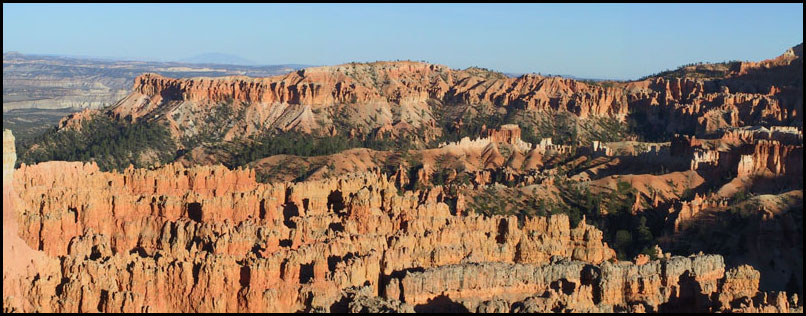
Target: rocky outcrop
x: 510, y: 134
x: 211, y: 239
x: 772, y: 157
x: 75, y: 120
x: 45, y: 82
x: 29, y: 276
x: 600, y: 149
x: 403, y: 82
x: 9, y: 158
x: 787, y: 58
x: 702, y: 158
x: 785, y: 134
x: 685, y: 211
x: 677, y: 284
x: 374, y: 96
x: 416, y: 103
x: 209, y: 228
x: 546, y: 146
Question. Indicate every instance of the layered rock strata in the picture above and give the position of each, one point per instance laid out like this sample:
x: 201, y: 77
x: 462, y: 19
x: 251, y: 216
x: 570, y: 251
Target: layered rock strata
x: 666, y: 285
x: 390, y: 97
x: 211, y: 239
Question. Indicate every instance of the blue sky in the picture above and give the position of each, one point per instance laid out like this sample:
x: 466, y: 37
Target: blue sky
x: 618, y: 41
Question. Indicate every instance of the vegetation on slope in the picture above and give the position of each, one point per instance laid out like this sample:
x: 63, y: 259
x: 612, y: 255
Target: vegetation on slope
x: 564, y: 128
x: 699, y: 70
x: 611, y: 211
x: 304, y: 145
x: 112, y: 145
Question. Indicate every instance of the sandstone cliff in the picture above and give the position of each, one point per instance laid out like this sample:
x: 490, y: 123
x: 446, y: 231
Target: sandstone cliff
x: 371, y: 96
x: 403, y: 230
x: 38, y: 81
x: 212, y: 239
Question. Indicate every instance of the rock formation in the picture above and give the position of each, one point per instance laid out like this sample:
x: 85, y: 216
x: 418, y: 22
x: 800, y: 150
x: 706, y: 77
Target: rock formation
x: 175, y: 239
x: 24, y: 269
x: 772, y: 157
x: 55, y: 82
x: 488, y: 223
x: 394, y: 95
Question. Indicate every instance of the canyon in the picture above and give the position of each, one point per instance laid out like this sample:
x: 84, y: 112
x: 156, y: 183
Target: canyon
x: 412, y: 187
x: 353, y: 243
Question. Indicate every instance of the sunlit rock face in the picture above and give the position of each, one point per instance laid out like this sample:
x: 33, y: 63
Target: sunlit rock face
x: 211, y: 239
x: 378, y: 237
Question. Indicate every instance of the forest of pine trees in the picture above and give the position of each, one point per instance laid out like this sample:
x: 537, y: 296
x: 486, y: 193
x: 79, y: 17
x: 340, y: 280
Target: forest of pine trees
x: 112, y: 145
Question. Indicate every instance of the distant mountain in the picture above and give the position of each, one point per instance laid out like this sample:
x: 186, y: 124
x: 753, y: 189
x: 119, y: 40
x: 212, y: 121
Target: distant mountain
x: 218, y: 58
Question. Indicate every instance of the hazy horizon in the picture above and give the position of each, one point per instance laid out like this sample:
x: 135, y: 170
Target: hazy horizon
x: 602, y: 41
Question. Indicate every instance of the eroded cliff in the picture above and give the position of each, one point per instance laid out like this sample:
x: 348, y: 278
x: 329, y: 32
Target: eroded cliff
x: 209, y: 239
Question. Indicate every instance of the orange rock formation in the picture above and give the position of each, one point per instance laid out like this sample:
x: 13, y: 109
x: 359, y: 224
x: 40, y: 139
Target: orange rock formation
x: 211, y: 239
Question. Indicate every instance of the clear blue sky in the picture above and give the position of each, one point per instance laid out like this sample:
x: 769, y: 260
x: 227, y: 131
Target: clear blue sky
x: 619, y: 41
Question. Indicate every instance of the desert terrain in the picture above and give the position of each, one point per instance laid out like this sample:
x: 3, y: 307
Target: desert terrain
x: 405, y: 186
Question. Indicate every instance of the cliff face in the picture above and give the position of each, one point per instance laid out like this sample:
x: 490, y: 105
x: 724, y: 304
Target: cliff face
x: 210, y: 239
x: 374, y: 96
x: 674, y: 284
x: 36, y: 81
x: 22, y: 265
x: 415, y: 103
x: 362, y: 96
x: 508, y: 133
x: 771, y: 157
x: 385, y: 82
x: 194, y: 232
